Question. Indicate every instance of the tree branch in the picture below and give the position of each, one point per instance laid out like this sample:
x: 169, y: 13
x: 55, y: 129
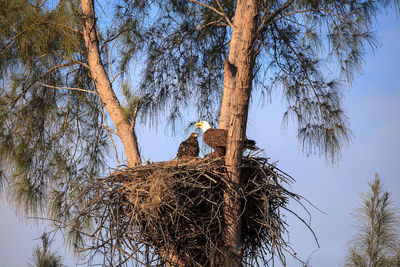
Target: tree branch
x: 221, y: 13
x: 104, y: 86
x: 69, y: 59
x: 67, y: 88
x: 268, y: 19
x: 57, y: 67
x: 42, y: 3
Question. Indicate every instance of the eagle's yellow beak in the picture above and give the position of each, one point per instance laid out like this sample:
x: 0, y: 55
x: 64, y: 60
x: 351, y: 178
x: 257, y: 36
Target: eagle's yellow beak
x: 198, y: 125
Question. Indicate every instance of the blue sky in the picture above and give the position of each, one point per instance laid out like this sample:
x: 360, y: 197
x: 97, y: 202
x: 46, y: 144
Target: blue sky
x: 373, y: 106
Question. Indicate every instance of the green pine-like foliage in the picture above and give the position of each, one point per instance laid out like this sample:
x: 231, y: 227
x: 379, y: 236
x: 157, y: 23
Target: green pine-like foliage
x: 44, y: 257
x: 377, y: 242
x: 51, y: 138
x: 297, y: 44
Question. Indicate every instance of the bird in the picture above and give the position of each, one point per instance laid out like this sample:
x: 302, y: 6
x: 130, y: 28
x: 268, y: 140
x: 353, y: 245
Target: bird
x: 189, y: 148
x: 217, y: 138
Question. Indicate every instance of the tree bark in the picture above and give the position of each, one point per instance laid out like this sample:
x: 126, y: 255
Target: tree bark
x: 234, y: 112
x: 103, y: 85
x: 126, y: 130
x: 240, y: 23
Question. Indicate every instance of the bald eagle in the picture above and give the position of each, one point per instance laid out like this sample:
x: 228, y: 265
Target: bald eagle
x: 216, y: 138
x: 189, y: 148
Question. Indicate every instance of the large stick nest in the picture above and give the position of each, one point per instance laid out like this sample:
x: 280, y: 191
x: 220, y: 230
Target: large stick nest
x: 173, y: 211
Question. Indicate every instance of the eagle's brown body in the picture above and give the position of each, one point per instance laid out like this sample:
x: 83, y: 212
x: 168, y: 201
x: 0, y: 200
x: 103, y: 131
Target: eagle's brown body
x: 189, y: 148
x: 217, y: 138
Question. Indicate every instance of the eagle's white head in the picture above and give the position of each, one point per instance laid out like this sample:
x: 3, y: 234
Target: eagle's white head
x: 203, y: 125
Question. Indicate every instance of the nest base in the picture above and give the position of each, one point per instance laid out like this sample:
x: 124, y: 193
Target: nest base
x: 174, y: 211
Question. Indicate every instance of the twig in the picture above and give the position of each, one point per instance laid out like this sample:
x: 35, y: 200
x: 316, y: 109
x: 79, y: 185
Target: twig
x: 221, y: 13
x: 67, y: 88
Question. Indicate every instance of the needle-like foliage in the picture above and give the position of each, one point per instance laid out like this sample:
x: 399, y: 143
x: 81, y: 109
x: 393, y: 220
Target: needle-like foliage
x: 50, y: 117
x: 297, y: 44
x: 377, y: 243
x: 44, y: 257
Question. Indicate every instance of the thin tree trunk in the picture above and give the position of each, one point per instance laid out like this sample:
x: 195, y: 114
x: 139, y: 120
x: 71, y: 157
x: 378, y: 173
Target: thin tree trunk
x: 234, y: 111
x: 126, y: 130
x: 104, y: 87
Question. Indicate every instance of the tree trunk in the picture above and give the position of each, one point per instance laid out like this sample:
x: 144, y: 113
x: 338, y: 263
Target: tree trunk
x: 126, y: 130
x: 104, y: 87
x: 234, y: 111
x: 241, y: 23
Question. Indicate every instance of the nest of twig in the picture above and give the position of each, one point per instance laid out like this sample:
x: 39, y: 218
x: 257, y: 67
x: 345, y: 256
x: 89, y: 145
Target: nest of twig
x: 174, y: 211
